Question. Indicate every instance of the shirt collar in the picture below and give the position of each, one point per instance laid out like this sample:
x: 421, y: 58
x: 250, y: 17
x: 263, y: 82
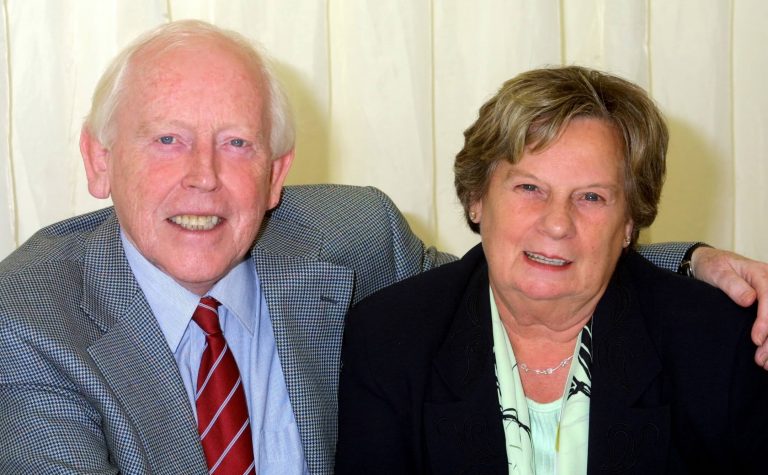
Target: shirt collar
x: 173, y: 305
x: 236, y: 292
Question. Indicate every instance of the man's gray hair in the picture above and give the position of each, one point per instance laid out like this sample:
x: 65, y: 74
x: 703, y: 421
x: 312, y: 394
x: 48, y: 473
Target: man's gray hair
x: 109, y: 90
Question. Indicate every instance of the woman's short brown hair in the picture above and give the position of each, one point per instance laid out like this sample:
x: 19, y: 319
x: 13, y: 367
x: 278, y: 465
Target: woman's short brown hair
x: 532, y: 109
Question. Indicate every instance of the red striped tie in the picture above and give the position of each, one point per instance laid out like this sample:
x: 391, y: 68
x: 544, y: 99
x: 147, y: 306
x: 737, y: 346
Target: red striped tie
x: 222, y: 412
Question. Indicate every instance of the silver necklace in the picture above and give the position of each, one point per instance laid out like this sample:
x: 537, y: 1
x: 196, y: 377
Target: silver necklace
x: 546, y: 371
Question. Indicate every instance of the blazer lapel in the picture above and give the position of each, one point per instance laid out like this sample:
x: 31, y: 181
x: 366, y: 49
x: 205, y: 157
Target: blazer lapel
x: 136, y: 364
x: 462, y: 420
x: 629, y: 427
x: 308, y: 300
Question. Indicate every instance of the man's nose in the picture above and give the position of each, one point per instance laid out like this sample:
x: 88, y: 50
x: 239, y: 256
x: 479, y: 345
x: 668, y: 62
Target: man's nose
x: 202, y: 169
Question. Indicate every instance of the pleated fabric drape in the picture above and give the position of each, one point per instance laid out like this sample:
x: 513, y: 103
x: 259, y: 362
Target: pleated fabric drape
x: 382, y: 91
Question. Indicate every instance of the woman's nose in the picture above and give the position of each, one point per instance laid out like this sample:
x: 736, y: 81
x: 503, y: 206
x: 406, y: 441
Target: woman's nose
x: 557, y: 220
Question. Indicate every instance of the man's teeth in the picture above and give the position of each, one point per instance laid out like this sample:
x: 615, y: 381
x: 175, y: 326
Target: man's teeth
x: 196, y: 223
x: 546, y: 260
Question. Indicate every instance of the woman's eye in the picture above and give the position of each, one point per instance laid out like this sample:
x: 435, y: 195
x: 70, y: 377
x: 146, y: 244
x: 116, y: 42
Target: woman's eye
x: 237, y: 142
x: 167, y: 140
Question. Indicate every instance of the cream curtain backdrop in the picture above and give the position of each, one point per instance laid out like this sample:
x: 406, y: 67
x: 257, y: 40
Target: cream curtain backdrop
x: 382, y: 90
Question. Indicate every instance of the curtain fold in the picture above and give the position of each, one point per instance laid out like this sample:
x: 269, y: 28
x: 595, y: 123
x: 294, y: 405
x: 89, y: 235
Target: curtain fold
x: 8, y: 223
x: 382, y: 91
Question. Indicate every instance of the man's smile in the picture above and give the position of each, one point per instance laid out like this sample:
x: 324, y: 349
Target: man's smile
x: 195, y: 223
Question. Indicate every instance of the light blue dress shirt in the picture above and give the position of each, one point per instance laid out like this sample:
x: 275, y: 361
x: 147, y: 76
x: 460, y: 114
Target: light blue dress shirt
x: 245, y: 322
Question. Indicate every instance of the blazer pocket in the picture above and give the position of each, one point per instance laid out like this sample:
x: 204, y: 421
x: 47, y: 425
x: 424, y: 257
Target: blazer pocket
x: 462, y: 438
x: 637, y: 440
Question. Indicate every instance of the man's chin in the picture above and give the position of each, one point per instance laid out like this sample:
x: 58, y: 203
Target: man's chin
x: 197, y: 279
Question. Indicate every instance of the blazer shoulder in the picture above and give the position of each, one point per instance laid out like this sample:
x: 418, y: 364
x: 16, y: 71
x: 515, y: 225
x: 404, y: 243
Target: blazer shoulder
x: 685, y: 315
x: 670, y: 292
x: 333, y: 213
x: 43, y: 280
x: 355, y: 227
x: 424, y: 304
x: 431, y: 286
x: 58, y: 242
x: 317, y: 204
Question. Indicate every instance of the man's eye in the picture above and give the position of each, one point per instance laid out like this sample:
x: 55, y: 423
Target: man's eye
x: 167, y: 140
x: 237, y: 142
x: 529, y: 187
x: 592, y: 196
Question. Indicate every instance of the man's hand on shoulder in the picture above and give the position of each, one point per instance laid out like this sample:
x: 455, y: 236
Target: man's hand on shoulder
x: 744, y: 280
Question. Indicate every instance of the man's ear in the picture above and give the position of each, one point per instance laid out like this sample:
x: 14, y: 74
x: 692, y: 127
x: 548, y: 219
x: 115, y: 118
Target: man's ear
x: 280, y: 167
x: 95, y: 158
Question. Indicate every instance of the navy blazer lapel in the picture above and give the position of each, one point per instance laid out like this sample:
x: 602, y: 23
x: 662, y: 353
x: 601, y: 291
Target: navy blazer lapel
x: 308, y: 300
x: 466, y: 354
x: 135, y: 361
x: 462, y: 419
x: 629, y: 426
x: 626, y: 419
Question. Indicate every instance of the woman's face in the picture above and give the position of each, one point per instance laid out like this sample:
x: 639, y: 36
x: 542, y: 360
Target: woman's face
x: 554, y: 225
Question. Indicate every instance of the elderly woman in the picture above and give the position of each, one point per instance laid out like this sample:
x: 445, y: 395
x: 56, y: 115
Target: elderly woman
x: 553, y: 347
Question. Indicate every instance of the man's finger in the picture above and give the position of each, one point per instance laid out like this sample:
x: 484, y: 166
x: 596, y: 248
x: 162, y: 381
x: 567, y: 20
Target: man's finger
x: 738, y: 290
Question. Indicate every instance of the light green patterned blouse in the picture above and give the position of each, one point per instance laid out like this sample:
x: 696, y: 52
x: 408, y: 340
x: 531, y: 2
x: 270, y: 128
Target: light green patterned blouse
x: 557, y: 437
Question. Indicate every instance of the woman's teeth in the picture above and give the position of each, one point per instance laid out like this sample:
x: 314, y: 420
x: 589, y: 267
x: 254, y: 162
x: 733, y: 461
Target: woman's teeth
x: 546, y: 260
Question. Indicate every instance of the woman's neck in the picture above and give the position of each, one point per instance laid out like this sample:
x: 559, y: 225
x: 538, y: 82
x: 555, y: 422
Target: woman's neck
x: 543, y: 335
x: 543, y: 323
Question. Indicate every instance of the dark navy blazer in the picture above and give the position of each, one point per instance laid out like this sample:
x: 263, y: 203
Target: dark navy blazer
x: 674, y: 386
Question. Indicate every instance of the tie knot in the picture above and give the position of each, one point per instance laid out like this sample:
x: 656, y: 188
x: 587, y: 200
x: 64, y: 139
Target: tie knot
x: 207, y: 316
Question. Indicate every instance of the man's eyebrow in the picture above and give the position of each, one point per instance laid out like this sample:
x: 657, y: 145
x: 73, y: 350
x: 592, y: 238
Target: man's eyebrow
x: 154, y: 124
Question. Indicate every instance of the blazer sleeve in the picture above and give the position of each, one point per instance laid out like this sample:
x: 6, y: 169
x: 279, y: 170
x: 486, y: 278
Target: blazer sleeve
x: 412, y: 256
x: 46, y: 424
x: 667, y: 255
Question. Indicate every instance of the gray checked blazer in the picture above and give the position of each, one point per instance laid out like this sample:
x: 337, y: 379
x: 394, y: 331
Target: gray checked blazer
x: 88, y: 383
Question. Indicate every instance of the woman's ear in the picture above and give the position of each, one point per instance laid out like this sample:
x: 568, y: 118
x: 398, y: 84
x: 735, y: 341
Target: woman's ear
x: 476, y: 211
x: 628, y: 230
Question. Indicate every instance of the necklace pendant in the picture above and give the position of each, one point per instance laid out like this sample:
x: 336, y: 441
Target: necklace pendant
x: 545, y: 371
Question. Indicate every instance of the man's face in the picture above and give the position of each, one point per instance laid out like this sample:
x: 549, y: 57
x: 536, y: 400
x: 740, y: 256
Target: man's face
x: 190, y: 171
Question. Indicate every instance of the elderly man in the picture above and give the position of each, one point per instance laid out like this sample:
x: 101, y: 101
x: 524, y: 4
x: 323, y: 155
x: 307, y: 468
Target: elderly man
x: 195, y: 327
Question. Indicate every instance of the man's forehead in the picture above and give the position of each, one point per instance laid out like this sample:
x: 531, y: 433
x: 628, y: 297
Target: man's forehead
x: 202, y: 55
x: 196, y: 76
